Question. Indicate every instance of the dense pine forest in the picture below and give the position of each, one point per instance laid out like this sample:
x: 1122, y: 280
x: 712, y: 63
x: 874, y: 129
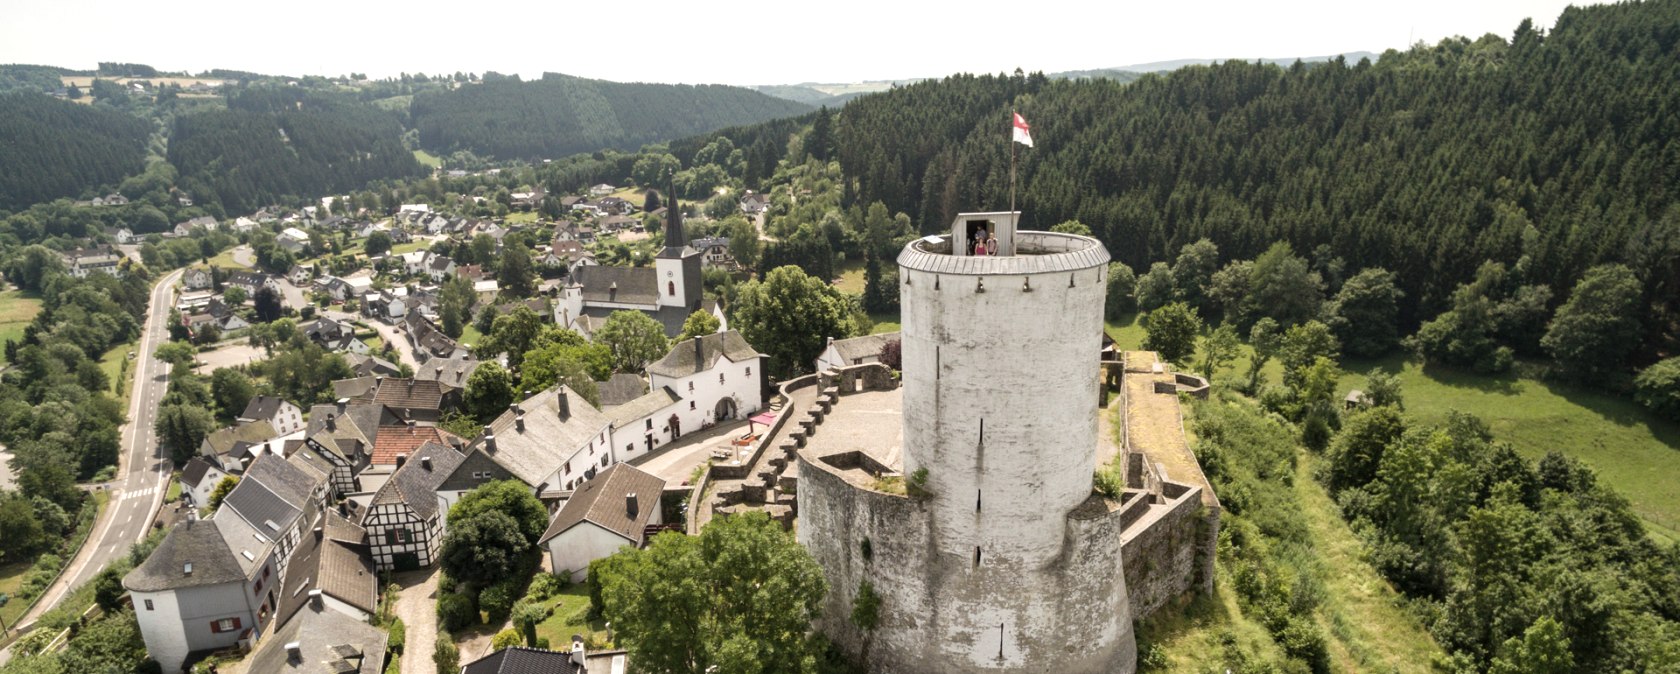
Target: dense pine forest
x: 560, y: 115
x: 1560, y: 150
x: 55, y: 148
x: 271, y: 143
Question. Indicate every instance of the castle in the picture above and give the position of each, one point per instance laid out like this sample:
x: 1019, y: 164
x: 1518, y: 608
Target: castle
x: 964, y: 499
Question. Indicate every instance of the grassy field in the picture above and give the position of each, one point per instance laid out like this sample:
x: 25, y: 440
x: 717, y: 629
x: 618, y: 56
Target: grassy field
x: 470, y: 334
x: 224, y: 260
x: 427, y: 159
x: 850, y: 277
x: 11, y: 578
x: 115, y: 363
x: 409, y: 247
x: 16, y: 311
x: 1632, y: 450
x: 521, y: 216
x: 566, y: 618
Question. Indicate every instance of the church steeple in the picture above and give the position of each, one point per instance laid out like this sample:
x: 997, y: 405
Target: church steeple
x: 674, y: 238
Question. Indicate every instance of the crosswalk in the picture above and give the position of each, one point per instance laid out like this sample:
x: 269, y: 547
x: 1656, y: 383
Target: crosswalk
x: 137, y: 493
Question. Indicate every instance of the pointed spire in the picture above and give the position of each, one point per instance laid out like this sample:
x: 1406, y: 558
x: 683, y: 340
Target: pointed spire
x: 674, y: 237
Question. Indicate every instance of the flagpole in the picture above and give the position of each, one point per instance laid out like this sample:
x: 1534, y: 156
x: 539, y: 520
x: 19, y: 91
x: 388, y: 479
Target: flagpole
x: 1012, y: 164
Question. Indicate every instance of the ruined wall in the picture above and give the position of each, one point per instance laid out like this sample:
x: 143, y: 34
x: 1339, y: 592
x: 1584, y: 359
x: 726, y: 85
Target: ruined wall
x: 1163, y: 550
x: 1075, y: 609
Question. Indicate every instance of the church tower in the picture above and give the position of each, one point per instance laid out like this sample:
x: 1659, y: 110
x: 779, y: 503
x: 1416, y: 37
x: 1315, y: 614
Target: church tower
x: 678, y: 264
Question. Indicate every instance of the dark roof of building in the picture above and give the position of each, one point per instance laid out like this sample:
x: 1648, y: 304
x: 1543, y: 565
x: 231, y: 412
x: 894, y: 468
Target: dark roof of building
x: 698, y: 354
x: 412, y: 394
x: 621, y: 388
x: 415, y: 484
x: 330, y: 642
x: 289, y: 482
x: 337, y: 562
x: 406, y: 439
x: 371, y: 366
x: 628, y: 285
x: 547, y: 438
x: 260, y: 507
x: 604, y: 502
x: 522, y: 660
x: 867, y: 346
x: 195, y: 470
x: 671, y: 318
x: 199, y: 543
x: 451, y: 371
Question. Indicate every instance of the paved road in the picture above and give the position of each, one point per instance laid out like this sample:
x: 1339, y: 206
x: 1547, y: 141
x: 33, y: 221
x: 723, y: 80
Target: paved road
x: 142, y: 475
x: 397, y: 338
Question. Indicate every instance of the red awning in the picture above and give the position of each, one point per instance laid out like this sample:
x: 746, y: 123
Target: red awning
x: 765, y: 418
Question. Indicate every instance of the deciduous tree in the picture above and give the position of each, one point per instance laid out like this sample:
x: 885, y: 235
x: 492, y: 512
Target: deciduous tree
x: 1172, y: 331
x: 634, y: 339
x: 790, y: 316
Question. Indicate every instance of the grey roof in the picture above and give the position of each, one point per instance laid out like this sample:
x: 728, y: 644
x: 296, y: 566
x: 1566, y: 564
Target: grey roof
x: 254, y: 432
x: 196, y: 542
x: 286, y: 481
x: 522, y: 660
x: 535, y: 453
x: 698, y: 354
x: 337, y: 562
x: 416, y: 485
x: 671, y: 318
x: 867, y: 346
x: 1037, y: 253
x: 621, y: 388
x: 629, y: 285
x: 364, y: 365
x: 265, y: 511
x: 603, y: 501
x: 331, y: 642
x: 453, y: 371
x: 648, y: 404
x: 195, y: 470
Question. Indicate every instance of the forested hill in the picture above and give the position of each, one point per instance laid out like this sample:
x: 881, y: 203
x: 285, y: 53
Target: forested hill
x: 561, y: 115
x: 1556, y: 151
x: 53, y: 148
x: 271, y: 143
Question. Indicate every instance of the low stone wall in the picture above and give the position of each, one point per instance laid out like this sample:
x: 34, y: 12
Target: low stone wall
x: 1162, y: 550
x: 1193, y: 385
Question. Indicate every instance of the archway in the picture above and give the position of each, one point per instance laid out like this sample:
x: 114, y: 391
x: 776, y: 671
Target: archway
x: 725, y: 409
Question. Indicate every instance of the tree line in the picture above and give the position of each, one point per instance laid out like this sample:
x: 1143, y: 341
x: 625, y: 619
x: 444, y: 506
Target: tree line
x: 57, y: 148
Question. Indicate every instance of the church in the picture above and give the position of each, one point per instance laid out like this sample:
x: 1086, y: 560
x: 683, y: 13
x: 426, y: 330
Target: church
x: 668, y: 292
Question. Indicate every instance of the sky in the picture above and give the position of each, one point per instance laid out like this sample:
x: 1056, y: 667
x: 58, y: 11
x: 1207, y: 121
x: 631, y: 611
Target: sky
x: 741, y: 42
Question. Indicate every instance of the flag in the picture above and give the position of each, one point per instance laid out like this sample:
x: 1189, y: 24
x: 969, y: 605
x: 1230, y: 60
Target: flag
x: 1022, y: 131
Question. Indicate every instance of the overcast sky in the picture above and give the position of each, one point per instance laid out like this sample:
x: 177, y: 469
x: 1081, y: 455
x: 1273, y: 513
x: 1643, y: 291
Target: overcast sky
x: 742, y: 42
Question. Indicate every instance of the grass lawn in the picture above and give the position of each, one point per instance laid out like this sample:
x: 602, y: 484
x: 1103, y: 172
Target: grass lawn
x: 119, y: 369
x: 427, y: 159
x: 565, y: 618
x: 11, y: 578
x: 470, y: 334
x: 409, y: 247
x: 1632, y: 450
x: 1188, y: 635
x: 174, y: 493
x: 884, y: 323
x: 16, y: 311
x: 521, y: 216
x: 224, y: 259
x: 850, y: 277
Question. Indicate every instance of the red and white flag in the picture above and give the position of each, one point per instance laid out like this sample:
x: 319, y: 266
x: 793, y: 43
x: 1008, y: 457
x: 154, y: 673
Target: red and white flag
x: 1023, y: 133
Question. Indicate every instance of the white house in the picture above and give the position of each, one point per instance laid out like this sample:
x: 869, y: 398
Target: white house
x: 486, y: 290
x: 196, y: 279
x: 855, y: 351
x: 602, y: 190
x: 199, y: 478
x: 551, y: 441
x: 285, y: 417
x: 211, y: 584
x: 243, y: 224
x: 292, y: 239
x: 719, y: 376
x: 604, y: 514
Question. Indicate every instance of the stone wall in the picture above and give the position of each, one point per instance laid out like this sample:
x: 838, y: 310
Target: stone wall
x: 1163, y: 550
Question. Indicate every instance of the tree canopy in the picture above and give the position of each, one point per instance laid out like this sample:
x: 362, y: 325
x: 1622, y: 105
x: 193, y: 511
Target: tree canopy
x: 790, y: 315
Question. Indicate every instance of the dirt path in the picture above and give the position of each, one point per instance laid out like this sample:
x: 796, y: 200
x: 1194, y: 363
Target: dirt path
x: 417, y: 606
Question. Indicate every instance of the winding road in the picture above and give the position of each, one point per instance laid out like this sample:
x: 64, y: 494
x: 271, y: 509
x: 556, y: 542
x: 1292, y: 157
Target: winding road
x: 142, y: 470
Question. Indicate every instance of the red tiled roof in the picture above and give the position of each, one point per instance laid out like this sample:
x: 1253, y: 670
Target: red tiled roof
x: 394, y: 440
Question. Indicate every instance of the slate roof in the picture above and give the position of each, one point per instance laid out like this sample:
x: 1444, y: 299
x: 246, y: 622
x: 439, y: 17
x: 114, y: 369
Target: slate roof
x: 197, y: 542
x: 671, y: 318
x: 194, y: 471
x: 686, y: 358
x: 394, y: 440
x: 223, y: 441
x: 621, y: 388
x: 602, y: 501
x: 368, y: 366
x: 532, y: 455
x: 289, y: 482
x: 522, y: 660
x: 645, y: 405
x: 452, y: 371
x: 414, y: 484
x: 628, y: 285
x: 407, y: 394
x: 264, y: 510
x: 331, y: 642
x: 867, y: 346
x: 337, y: 562
x: 248, y: 545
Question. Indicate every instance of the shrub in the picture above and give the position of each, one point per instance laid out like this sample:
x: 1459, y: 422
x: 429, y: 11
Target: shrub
x: 497, y: 600
x: 444, y: 654
x: 455, y: 610
x: 446, y: 583
x: 916, y: 484
x: 866, y: 608
x: 504, y: 639
x: 397, y: 635
x: 1658, y: 388
x: 544, y: 586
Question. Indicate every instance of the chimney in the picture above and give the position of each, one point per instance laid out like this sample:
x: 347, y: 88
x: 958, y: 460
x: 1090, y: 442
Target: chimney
x: 699, y: 353
x: 342, y: 403
x: 579, y: 653
x: 378, y: 381
x: 411, y: 427
x: 319, y: 533
x: 410, y: 385
x: 630, y: 505
x: 315, y: 599
x: 564, y: 402
x: 401, y: 459
x: 294, y: 651
x: 518, y: 421
x: 332, y: 425
x: 426, y: 462
x: 489, y: 441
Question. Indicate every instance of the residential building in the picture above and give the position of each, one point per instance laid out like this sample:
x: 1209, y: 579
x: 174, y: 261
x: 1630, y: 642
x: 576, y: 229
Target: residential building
x: 453, y: 371
x: 551, y: 441
x: 405, y: 440
x: 210, y: 584
x: 282, y: 415
x: 229, y: 447
x: 278, y: 499
x: 343, y: 435
x: 522, y: 660
x: 602, y: 190
x: 199, y: 478
x: 854, y: 351
x: 417, y: 399
x: 604, y: 514
x: 372, y: 366
x: 714, y: 251
x: 319, y: 640
x: 332, y: 567
x: 196, y: 278
x: 719, y: 376
x: 95, y: 260
x: 405, y: 518
x: 621, y: 388
x: 293, y: 240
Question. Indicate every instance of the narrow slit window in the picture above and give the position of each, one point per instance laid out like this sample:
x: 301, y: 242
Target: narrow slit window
x: 982, y: 431
x: 976, y: 500
x: 976, y: 556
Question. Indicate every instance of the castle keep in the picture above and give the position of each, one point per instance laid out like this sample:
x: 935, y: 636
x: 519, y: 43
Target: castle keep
x: 964, y: 498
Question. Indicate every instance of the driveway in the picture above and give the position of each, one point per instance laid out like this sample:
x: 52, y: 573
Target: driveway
x: 417, y: 606
x: 396, y: 338
x: 244, y: 256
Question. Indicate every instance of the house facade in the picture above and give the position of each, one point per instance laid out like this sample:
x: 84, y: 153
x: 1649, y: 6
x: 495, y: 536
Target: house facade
x: 404, y: 520
x: 211, y: 584
x: 604, y: 514
x: 719, y: 376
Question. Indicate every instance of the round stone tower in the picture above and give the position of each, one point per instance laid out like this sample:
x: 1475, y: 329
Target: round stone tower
x: 1004, y: 561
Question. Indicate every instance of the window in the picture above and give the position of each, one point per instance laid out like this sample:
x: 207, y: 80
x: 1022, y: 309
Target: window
x: 691, y: 387
x: 749, y: 370
x: 148, y: 604
x: 266, y: 571
x: 720, y: 377
x: 690, y: 404
x: 650, y: 424
x: 671, y: 288
x: 568, y: 467
x: 257, y: 589
x: 224, y: 625
x: 603, y: 462
x: 391, y: 537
